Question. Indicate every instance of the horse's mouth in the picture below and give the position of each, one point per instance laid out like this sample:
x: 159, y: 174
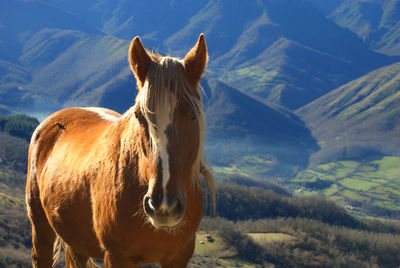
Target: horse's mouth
x: 166, y: 222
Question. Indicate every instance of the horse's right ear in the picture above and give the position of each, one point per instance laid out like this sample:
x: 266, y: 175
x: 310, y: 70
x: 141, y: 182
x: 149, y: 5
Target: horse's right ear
x: 196, y: 60
x: 139, y: 60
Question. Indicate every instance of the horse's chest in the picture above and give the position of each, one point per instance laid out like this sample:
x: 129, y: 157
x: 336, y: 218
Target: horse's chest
x: 137, y: 239
x: 143, y: 246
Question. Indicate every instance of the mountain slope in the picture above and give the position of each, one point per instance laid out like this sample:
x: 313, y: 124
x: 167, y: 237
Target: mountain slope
x: 279, y: 51
x: 359, y: 119
x: 70, y: 68
x: 376, y: 22
x: 326, y: 6
x: 290, y: 74
x: 153, y: 20
x: 286, y: 52
x: 295, y: 53
x: 20, y: 19
x: 243, y: 131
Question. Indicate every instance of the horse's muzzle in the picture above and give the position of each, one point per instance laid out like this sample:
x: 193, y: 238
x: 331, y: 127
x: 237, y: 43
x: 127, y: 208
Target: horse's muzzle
x: 163, y: 214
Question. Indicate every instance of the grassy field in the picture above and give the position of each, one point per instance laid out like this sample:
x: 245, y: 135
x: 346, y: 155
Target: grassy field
x: 375, y: 183
x: 218, y: 254
x: 215, y: 253
x: 248, y: 165
x: 267, y: 238
x: 359, y: 185
x: 216, y: 248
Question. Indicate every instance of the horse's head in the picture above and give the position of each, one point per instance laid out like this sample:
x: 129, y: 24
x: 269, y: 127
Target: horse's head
x: 169, y: 110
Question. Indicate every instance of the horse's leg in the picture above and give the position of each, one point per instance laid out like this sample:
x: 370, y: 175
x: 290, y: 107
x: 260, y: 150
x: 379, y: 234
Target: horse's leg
x: 43, y: 236
x: 183, y: 257
x: 74, y: 259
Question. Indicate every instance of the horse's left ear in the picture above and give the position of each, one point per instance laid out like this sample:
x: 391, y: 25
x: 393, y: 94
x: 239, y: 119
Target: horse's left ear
x: 196, y: 60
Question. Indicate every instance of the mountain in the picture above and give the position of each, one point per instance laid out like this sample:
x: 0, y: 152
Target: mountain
x: 326, y: 7
x: 358, y: 120
x: 240, y: 127
x: 100, y: 78
x: 376, y: 22
x: 285, y: 52
x: 94, y: 75
x: 264, y: 53
x: 20, y: 19
x: 153, y: 20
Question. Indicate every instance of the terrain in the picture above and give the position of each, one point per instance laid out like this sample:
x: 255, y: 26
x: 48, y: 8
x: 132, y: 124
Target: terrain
x: 288, y: 53
x: 274, y: 56
x: 375, y: 22
x: 256, y: 226
x: 301, y: 101
x: 360, y: 118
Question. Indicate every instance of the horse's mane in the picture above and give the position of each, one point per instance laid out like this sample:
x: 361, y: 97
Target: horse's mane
x: 157, y: 101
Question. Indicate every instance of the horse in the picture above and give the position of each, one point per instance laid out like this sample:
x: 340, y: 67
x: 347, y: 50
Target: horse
x: 127, y: 189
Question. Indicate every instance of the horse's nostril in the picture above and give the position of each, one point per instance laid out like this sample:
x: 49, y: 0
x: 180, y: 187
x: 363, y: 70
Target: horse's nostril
x: 178, y: 206
x: 165, y: 214
x: 148, y: 206
x: 151, y: 205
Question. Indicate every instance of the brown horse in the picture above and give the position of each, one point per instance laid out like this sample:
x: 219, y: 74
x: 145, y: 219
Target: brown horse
x: 124, y: 188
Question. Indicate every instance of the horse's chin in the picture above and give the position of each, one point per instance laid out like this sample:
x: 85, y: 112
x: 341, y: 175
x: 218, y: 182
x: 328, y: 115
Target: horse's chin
x: 166, y: 224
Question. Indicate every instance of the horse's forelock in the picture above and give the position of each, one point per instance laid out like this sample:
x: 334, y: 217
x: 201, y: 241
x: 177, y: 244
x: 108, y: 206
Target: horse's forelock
x: 165, y: 83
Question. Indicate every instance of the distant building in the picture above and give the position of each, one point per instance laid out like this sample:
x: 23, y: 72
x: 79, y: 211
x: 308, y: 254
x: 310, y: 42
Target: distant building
x: 209, y: 238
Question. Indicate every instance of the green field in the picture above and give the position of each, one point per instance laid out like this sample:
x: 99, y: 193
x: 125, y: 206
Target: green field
x: 248, y: 165
x: 359, y: 184
x: 267, y: 238
x: 363, y: 186
x: 216, y: 248
x: 216, y: 252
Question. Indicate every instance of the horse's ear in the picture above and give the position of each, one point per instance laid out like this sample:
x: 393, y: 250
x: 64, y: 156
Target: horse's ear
x: 139, y: 60
x: 196, y: 60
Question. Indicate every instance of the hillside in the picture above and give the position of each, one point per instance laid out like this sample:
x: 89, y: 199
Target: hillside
x: 377, y: 23
x: 360, y: 119
x: 273, y: 228
x: 242, y: 131
x: 99, y: 78
x: 15, y: 241
x: 367, y: 188
x: 285, y: 52
x: 304, y: 93
x: 39, y: 14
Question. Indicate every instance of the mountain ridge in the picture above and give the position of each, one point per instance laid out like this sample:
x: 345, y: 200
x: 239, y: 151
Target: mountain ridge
x: 283, y: 52
x: 360, y: 118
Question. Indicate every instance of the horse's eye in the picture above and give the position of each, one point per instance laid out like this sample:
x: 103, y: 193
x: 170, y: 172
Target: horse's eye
x: 193, y: 117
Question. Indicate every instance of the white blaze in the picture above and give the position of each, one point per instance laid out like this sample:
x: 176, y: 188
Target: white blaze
x: 164, y: 121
